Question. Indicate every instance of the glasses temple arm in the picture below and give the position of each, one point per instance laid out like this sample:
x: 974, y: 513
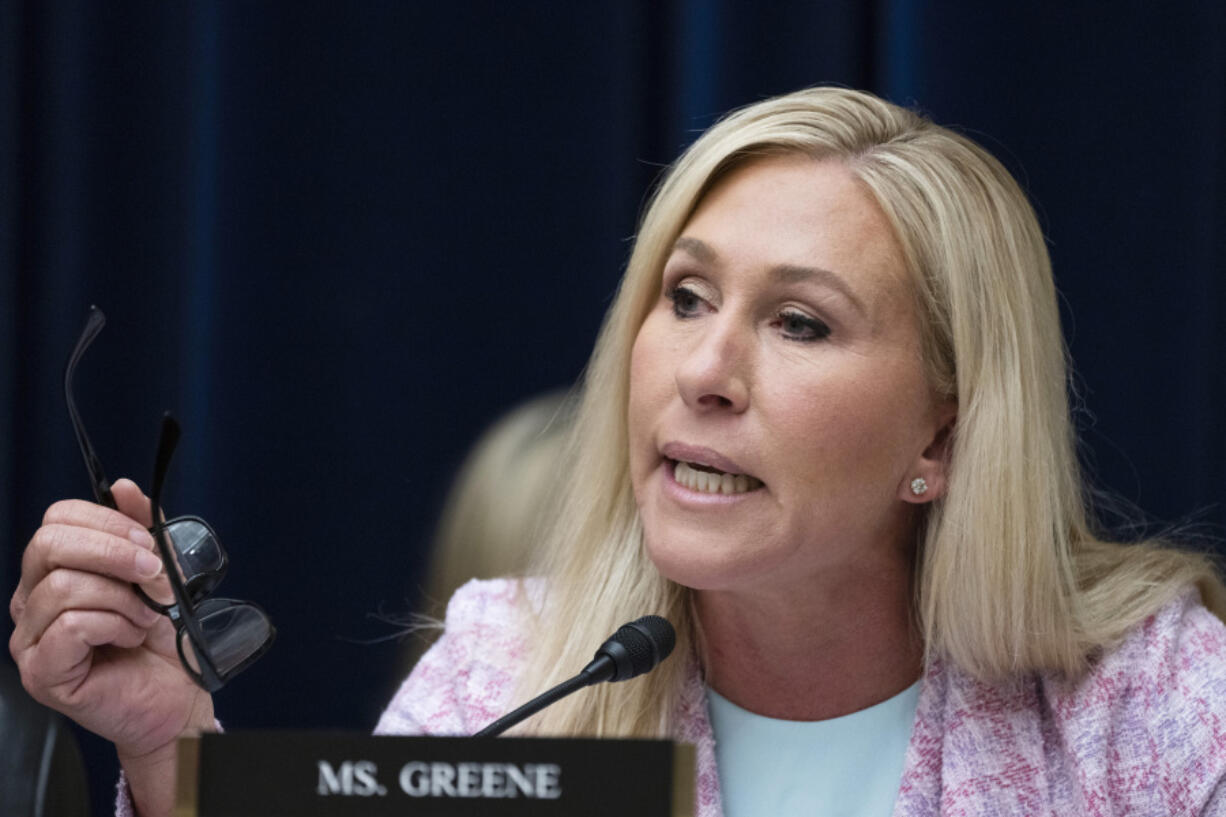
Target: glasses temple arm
x: 167, y: 441
x: 97, y: 476
x: 98, y: 481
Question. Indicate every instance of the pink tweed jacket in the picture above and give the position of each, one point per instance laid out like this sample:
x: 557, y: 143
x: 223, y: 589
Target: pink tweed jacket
x: 1143, y: 734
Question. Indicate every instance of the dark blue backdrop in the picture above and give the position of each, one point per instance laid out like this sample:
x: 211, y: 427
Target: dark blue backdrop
x: 339, y: 238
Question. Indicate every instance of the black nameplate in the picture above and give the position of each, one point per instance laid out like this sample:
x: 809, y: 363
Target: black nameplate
x: 345, y: 774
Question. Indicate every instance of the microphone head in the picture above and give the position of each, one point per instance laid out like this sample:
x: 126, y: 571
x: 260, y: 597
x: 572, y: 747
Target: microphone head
x: 636, y: 648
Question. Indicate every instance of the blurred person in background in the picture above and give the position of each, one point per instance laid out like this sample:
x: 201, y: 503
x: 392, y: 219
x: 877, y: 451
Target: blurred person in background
x: 498, y: 507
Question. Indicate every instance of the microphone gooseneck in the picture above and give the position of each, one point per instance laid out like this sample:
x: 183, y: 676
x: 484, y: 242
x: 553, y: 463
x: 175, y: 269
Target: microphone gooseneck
x: 636, y: 648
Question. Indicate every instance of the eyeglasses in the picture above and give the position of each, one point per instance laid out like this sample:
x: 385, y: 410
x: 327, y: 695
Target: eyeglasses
x: 216, y: 638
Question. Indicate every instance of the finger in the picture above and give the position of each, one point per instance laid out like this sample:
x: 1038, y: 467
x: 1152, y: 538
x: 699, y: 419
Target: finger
x: 82, y: 514
x: 132, y: 501
x: 134, y: 504
x: 75, y: 512
x: 65, y: 590
x: 64, y: 655
x: 158, y: 590
x: 76, y: 548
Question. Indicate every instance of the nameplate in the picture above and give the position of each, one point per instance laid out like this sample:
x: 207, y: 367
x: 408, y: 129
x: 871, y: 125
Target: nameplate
x: 346, y: 774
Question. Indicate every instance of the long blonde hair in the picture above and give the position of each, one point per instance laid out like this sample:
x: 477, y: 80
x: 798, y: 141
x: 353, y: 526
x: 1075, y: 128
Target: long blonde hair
x: 1011, y: 576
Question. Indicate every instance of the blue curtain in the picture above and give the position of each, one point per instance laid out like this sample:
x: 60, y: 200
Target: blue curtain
x: 337, y: 239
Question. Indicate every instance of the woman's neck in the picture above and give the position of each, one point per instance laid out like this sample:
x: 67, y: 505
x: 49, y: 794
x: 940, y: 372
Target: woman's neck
x: 822, y: 652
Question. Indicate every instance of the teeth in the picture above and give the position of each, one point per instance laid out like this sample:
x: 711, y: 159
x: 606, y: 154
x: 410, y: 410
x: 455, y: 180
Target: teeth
x: 710, y: 482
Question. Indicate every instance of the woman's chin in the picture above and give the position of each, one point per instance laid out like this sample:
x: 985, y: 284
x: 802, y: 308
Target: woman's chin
x: 700, y: 568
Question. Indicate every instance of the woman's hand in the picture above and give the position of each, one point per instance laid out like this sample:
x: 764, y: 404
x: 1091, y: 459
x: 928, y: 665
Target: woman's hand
x: 87, y: 646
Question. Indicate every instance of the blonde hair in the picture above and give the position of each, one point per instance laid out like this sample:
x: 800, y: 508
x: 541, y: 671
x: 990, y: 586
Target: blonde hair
x: 496, y: 509
x: 1011, y: 576
x: 502, y: 493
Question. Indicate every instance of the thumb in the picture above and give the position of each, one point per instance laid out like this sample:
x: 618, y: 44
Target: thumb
x: 132, y: 501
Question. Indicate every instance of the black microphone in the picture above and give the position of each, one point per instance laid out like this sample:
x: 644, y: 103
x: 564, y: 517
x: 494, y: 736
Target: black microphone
x: 634, y: 649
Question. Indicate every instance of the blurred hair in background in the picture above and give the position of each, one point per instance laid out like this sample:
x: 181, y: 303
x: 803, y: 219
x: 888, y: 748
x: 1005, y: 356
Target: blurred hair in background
x: 495, y: 510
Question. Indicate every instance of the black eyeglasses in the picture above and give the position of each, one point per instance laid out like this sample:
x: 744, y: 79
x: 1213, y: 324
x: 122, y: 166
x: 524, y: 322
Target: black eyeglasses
x: 216, y: 638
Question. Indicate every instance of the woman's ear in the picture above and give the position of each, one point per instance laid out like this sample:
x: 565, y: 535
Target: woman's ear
x: 928, y: 477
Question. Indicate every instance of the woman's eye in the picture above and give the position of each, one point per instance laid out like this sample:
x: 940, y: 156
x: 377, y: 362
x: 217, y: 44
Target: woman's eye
x: 686, y: 303
x: 799, y: 326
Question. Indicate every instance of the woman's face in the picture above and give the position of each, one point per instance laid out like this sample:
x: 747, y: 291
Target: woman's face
x: 778, y: 406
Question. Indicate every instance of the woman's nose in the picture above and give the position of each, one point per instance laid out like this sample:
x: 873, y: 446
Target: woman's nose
x: 713, y: 373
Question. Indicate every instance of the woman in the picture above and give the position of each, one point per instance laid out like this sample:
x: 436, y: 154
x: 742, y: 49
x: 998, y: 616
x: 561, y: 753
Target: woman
x: 825, y: 431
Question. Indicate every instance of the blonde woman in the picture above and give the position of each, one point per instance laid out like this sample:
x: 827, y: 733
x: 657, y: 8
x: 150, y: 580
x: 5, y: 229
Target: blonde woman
x: 825, y: 431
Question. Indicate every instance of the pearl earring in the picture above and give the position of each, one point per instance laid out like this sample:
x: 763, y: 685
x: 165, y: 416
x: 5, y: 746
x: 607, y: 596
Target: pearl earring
x: 919, y: 486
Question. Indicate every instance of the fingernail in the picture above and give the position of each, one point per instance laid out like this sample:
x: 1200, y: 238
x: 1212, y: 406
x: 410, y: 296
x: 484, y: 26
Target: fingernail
x: 148, y: 565
x: 141, y: 537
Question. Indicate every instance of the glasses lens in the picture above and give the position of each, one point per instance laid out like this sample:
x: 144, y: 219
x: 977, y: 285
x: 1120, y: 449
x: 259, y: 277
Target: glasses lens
x: 202, y: 562
x: 199, y: 559
x: 235, y: 634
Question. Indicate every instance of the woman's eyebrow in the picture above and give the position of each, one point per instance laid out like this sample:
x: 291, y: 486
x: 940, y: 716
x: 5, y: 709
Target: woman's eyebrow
x: 792, y: 273
x: 784, y: 273
x: 699, y: 249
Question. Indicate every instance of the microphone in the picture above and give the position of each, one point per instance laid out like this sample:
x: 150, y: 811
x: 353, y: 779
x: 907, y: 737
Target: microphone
x: 636, y: 648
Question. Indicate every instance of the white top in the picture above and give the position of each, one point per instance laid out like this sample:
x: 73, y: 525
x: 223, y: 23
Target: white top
x: 841, y: 767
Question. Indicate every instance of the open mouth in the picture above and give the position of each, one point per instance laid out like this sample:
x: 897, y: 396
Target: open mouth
x: 707, y: 480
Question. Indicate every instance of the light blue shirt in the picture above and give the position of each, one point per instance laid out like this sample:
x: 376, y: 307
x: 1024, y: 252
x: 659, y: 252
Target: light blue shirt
x: 842, y: 767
